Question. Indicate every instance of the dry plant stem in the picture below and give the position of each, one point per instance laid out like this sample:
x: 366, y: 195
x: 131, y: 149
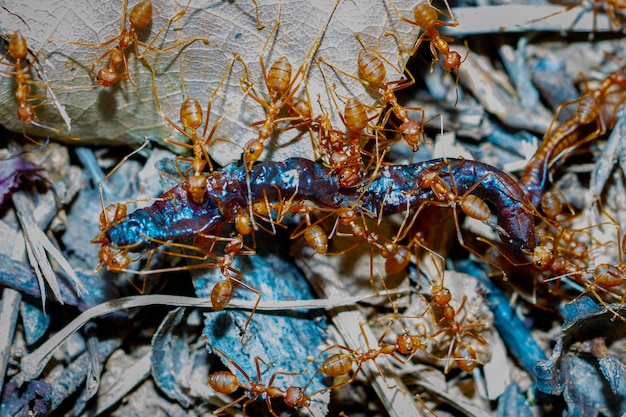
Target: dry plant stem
x: 33, y: 364
x: 36, y: 255
x: 68, y: 380
x: 397, y: 400
x: 521, y: 18
x: 11, y: 299
x: 432, y: 383
x: 516, y: 64
x: 135, y: 374
x: 612, y: 152
x: 9, y: 311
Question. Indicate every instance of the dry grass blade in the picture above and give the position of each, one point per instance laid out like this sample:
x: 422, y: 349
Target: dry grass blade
x: 37, y: 245
x: 9, y: 311
x: 34, y: 363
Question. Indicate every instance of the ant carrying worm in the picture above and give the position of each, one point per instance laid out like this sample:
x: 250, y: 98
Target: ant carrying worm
x: 281, y: 85
x: 176, y: 216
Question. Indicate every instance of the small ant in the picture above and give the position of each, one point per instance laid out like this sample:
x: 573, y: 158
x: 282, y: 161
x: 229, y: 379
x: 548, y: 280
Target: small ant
x: 226, y: 382
x: 464, y: 354
x: 343, y: 149
x: 340, y: 364
x: 568, y: 135
x: 606, y: 275
x: 611, y: 7
x: 116, y: 260
x: 191, y: 117
x: 448, y: 196
x: 373, y: 73
x: 19, y: 51
x: 139, y: 17
x: 426, y: 16
x: 281, y: 86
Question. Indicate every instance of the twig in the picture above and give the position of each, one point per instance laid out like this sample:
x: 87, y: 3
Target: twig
x: 516, y: 18
x: 8, y: 318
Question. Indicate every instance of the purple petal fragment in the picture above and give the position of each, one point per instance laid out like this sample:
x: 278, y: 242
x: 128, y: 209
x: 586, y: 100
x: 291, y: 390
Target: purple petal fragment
x: 13, y: 172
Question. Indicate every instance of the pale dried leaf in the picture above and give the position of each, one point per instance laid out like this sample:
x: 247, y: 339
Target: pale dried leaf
x: 127, y: 114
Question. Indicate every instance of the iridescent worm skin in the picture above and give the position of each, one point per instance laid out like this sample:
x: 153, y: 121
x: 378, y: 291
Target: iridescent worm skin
x: 391, y: 189
x: 173, y: 216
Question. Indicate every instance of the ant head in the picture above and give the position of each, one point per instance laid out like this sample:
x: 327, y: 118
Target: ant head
x: 196, y: 187
x: 26, y: 113
x: 252, y: 151
x: 453, y: 61
x: 411, y: 132
x: 295, y: 397
x: 108, y: 77
x: 348, y: 177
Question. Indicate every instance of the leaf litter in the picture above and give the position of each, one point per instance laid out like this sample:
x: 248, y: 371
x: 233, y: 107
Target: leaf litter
x: 584, y: 365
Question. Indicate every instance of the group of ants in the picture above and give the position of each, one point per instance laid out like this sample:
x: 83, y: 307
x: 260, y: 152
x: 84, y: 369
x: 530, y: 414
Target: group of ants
x: 558, y: 251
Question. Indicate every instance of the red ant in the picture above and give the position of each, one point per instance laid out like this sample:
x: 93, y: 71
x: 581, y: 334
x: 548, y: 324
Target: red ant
x: 281, y: 86
x: 426, y: 16
x: 589, y: 106
x: 222, y: 292
x: 592, y: 106
x: 226, y: 382
x: 191, y: 117
x: 472, y: 205
x: 139, y: 17
x: 116, y: 260
x: 606, y: 275
x: 373, y: 73
x: 464, y: 354
x: 19, y: 51
x: 340, y: 364
x: 561, y: 252
x: 611, y: 6
x: 343, y: 149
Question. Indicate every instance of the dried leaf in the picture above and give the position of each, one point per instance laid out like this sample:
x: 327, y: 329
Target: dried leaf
x: 170, y: 356
x: 585, y: 390
x: 35, y: 322
x: 127, y: 114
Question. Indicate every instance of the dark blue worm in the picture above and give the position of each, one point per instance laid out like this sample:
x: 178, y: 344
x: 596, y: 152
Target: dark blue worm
x: 391, y: 189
